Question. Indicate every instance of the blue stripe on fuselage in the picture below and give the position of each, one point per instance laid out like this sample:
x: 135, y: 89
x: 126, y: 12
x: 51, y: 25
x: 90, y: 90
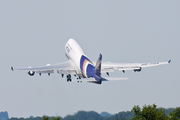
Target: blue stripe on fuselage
x: 86, y: 66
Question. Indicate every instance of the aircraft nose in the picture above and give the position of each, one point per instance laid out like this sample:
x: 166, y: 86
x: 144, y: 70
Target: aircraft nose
x: 71, y: 40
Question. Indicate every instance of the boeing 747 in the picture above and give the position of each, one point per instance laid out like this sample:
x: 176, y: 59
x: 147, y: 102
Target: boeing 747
x: 80, y: 66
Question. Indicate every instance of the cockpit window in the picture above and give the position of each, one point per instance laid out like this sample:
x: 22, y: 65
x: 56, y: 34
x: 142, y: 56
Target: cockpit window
x: 67, y: 49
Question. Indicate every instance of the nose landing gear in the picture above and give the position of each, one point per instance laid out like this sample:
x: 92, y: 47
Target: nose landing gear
x: 69, y: 78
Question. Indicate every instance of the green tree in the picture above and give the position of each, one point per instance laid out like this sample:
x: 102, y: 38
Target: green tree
x: 57, y: 118
x: 148, y: 112
x: 50, y: 118
x: 45, y: 118
x: 175, y: 115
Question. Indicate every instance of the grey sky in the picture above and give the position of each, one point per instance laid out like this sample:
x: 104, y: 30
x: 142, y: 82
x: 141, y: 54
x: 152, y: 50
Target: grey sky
x: 34, y: 32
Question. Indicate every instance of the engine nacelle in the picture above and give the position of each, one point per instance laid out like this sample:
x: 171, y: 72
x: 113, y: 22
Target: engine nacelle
x: 31, y: 73
x: 137, y: 70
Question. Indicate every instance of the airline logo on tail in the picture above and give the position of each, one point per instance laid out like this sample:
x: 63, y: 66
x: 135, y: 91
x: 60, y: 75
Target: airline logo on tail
x: 98, y: 66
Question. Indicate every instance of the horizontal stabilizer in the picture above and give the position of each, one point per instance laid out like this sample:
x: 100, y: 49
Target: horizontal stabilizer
x: 84, y: 79
x: 113, y: 79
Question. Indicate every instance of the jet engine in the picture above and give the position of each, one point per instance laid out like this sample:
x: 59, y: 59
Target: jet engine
x: 31, y: 73
x: 137, y: 70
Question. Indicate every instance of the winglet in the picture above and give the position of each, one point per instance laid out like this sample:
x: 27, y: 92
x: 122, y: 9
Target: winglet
x: 12, y: 68
x: 169, y: 61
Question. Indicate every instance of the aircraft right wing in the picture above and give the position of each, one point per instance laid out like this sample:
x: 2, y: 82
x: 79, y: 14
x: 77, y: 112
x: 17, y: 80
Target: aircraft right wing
x: 110, y: 67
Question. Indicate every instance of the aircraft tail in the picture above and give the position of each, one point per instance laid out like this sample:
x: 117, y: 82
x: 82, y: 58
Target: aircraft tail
x: 98, y: 66
x: 97, y: 71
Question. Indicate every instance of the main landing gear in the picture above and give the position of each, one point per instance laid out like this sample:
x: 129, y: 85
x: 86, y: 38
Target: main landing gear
x: 69, y: 78
x: 79, y: 79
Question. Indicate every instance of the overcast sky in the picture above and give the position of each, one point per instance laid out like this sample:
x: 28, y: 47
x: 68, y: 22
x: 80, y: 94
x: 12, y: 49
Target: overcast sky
x: 34, y: 33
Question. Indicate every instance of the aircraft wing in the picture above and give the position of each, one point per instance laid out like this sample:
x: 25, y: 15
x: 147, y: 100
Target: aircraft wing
x: 110, y: 67
x: 61, y: 68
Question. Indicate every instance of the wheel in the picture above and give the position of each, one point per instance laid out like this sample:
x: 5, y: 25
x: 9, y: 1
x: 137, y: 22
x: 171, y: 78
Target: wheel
x: 69, y: 80
x: 68, y: 76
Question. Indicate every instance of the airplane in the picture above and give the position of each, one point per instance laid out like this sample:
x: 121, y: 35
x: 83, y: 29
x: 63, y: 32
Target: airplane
x: 83, y: 68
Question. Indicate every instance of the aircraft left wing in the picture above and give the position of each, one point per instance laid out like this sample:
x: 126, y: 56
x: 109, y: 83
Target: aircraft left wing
x: 110, y: 67
x: 61, y: 68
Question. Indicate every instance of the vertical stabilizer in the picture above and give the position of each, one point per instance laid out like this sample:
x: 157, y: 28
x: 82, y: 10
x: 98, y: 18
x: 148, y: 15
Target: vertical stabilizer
x: 98, y: 66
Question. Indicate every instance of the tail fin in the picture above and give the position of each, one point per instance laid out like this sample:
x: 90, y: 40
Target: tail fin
x: 98, y: 66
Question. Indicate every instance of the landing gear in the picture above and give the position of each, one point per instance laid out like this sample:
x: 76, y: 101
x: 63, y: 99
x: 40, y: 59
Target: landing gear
x: 78, y: 77
x: 69, y: 78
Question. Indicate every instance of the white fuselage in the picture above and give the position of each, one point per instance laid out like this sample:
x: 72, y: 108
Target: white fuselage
x: 74, y: 53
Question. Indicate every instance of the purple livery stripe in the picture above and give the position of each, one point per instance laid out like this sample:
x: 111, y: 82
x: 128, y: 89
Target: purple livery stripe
x: 84, y: 62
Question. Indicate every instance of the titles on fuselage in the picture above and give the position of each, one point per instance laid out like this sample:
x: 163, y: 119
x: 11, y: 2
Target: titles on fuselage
x: 156, y: 63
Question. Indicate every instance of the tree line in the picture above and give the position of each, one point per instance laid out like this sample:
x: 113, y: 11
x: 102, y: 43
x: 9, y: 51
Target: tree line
x: 147, y: 112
